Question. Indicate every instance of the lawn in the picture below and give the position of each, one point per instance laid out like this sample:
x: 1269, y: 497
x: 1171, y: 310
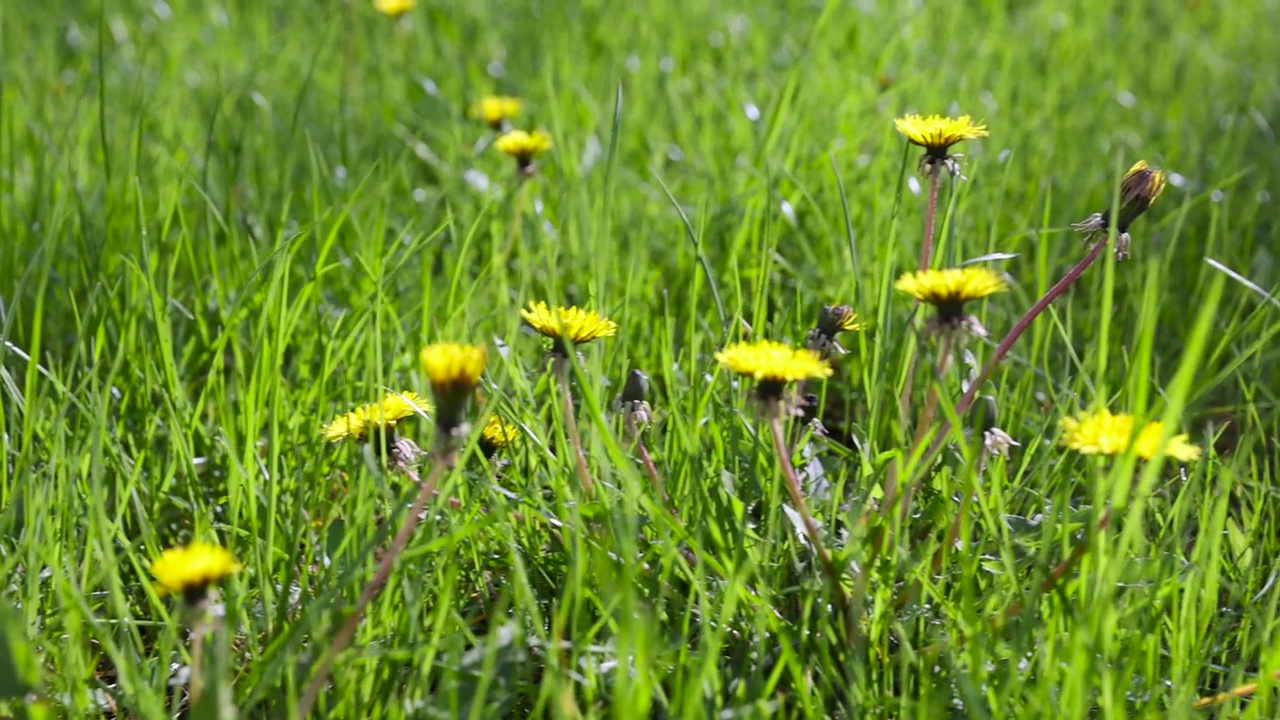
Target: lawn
x: 225, y: 226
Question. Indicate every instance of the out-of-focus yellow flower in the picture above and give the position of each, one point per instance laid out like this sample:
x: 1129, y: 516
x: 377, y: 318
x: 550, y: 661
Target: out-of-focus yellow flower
x: 496, y: 435
x: 394, y: 8
x: 948, y: 290
x: 523, y: 146
x: 360, y: 423
x: 496, y: 110
x: 1101, y: 432
x: 453, y: 371
x: 936, y: 134
x: 190, y: 570
x: 568, y: 323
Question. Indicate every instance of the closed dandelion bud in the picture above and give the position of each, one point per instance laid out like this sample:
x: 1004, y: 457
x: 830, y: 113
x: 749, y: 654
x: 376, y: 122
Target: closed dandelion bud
x: 634, y: 401
x: 1139, y: 188
x: 833, y: 320
x: 982, y: 417
x: 453, y: 371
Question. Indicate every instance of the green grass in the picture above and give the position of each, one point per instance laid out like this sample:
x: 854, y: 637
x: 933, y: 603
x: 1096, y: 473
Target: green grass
x: 221, y: 225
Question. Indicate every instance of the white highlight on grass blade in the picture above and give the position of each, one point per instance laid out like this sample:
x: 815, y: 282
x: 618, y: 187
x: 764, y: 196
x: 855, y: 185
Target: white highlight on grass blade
x: 989, y: 258
x: 1243, y: 281
x: 913, y: 184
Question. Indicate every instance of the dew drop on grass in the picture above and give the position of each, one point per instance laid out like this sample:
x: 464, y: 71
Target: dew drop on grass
x: 419, y: 195
x: 1217, y: 196
x: 340, y: 174
x: 913, y: 184
x: 496, y: 69
x: 674, y: 153
x: 1177, y: 180
x: 752, y: 112
x: 1126, y: 99
x: 666, y: 64
x: 788, y: 211
x: 429, y: 86
x: 633, y: 64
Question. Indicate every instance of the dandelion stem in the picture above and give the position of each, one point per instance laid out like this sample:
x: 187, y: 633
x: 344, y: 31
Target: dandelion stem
x: 1006, y: 344
x: 1240, y: 691
x: 195, y: 684
x: 647, y: 461
x: 571, y: 427
x: 810, y: 525
x: 930, y: 213
x: 347, y: 632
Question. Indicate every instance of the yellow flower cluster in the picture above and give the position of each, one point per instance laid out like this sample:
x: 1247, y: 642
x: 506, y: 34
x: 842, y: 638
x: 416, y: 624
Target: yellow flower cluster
x: 367, y: 420
x: 1102, y: 433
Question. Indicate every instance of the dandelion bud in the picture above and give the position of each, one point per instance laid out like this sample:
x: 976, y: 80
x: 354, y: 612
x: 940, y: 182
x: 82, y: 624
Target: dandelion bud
x: 453, y: 371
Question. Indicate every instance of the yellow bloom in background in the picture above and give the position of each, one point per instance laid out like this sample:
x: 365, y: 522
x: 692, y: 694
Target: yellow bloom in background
x: 936, y: 134
x: 496, y: 110
x: 571, y: 324
x: 394, y: 8
x: 948, y: 290
x: 190, y: 570
x: 523, y: 146
x: 496, y: 435
x: 376, y: 417
x: 1103, y: 433
x: 773, y: 365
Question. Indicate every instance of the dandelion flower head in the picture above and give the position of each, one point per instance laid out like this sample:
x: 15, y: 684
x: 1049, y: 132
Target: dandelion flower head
x: 568, y: 323
x: 379, y: 416
x: 451, y: 365
x: 495, y: 110
x: 952, y: 286
x: 497, y: 434
x: 773, y: 362
x: 192, y: 568
x: 523, y: 145
x: 1104, y: 433
x: 936, y: 133
x: 394, y: 8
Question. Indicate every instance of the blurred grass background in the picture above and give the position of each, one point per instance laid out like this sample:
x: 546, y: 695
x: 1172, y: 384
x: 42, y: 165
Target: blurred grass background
x: 223, y: 223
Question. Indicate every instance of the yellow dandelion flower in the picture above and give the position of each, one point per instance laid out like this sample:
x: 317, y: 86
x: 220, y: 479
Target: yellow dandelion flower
x: 496, y: 435
x: 773, y: 365
x: 523, y: 146
x: 450, y: 366
x: 453, y: 371
x: 1104, y: 433
x: 375, y: 418
x: 496, y: 110
x: 936, y: 134
x: 190, y: 570
x: 948, y: 290
x: 572, y: 324
x: 1139, y: 188
x: 394, y: 8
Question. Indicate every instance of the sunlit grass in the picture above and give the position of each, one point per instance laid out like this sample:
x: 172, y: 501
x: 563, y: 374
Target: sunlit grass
x: 222, y: 226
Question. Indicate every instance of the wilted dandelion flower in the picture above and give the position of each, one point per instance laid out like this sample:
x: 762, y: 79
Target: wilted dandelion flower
x: 566, y: 325
x: 190, y: 570
x: 453, y: 370
x: 948, y: 290
x: 773, y: 365
x: 1103, y: 433
x: 1141, y: 185
x: 936, y: 134
x: 523, y: 146
x: 833, y: 320
x: 496, y: 435
x: 496, y: 110
x: 394, y: 8
x: 376, y: 418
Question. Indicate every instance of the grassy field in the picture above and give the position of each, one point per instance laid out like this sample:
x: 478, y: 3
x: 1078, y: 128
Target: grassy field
x: 223, y: 225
